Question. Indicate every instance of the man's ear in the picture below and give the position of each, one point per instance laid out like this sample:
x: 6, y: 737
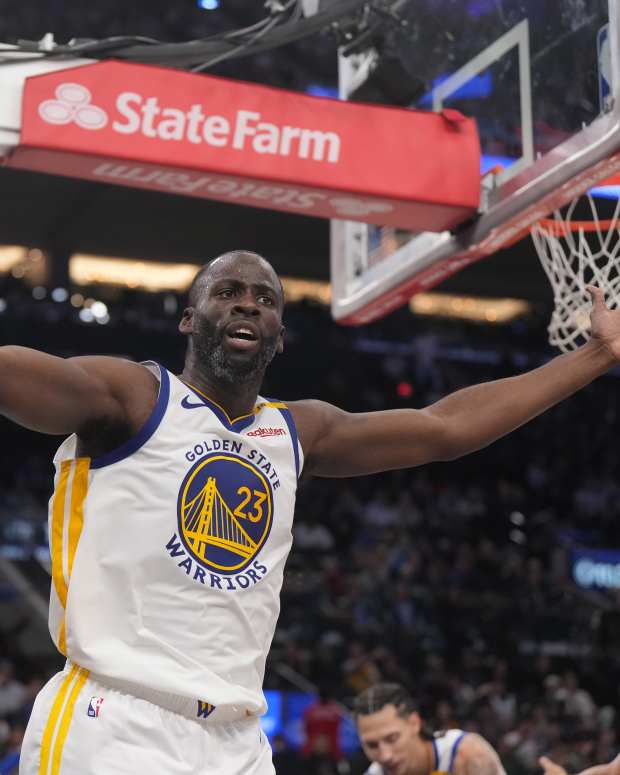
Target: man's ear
x: 416, y: 722
x: 186, y: 324
x: 280, y: 347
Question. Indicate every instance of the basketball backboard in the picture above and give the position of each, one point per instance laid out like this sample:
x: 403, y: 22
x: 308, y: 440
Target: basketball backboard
x: 542, y: 79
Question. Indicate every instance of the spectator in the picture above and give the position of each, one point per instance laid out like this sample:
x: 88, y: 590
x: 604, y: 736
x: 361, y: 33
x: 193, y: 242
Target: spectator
x: 322, y: 721
x: 285, y: 758
x: 13, y: 693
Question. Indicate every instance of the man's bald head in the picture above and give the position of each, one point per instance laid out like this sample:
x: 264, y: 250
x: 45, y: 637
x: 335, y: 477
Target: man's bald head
x: 239, y: 285
x: 233, y: 261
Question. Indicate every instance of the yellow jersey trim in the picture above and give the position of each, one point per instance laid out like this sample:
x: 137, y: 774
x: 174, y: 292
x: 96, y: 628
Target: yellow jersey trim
x: 56, y: 536
x: 64, y: 544
x: 65, y: 721
x: 256, y: 410
x: 52, y: 721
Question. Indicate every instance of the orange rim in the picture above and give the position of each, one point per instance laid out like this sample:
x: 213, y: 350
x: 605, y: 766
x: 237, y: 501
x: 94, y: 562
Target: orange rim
x: 560, y: 228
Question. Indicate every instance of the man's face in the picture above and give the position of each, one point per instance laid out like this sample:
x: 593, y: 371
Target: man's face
x: 236, y: 324
x: 392, y: 740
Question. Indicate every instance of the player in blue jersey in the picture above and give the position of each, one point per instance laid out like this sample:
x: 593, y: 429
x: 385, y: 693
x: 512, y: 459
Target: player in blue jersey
x: 170, y: 522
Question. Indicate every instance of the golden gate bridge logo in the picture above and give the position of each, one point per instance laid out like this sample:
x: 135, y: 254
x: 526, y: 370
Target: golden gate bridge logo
x: 225, y: 512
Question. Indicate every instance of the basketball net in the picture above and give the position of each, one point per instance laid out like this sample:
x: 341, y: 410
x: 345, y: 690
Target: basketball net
x: 575, y: 254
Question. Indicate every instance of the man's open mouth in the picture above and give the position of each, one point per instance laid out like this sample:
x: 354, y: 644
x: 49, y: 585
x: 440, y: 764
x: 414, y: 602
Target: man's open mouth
x: 242, y: 336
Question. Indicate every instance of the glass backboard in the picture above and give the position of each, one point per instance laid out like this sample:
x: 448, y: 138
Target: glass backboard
x: 541, y: 77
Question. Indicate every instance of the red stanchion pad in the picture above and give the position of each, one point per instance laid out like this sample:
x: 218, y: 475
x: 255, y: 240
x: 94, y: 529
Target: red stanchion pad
x: 162, y: 129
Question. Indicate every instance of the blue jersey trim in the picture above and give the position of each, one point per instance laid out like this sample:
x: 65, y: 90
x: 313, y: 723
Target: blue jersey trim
x: 237, y: 425
x: 436, y: 752
x: 288, y: 418
x: 455, y: 748
x: 146, y: 431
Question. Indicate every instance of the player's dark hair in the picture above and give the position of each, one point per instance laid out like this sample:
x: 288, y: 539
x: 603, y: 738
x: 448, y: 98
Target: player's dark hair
x: 376, y: 697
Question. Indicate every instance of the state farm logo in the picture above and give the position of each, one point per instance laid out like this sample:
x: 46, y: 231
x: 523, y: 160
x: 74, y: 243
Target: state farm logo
x: 242, y: 130
x: 73, y: 105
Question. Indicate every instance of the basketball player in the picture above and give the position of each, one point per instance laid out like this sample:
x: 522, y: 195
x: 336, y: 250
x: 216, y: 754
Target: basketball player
x: 551, y: 768
x: 394, y: 739
x: 170, y: 521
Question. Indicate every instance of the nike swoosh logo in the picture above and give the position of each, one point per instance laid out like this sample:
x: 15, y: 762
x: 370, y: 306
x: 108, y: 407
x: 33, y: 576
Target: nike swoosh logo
x: 186, y: 404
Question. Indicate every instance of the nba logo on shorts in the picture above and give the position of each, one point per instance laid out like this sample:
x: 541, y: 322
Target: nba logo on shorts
x: 94, y: 705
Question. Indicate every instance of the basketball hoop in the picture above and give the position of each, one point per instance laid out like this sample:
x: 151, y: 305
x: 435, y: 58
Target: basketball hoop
x: 574, y: 254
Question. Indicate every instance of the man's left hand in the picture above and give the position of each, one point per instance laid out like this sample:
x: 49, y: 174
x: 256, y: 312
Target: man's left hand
x: 605, y: 322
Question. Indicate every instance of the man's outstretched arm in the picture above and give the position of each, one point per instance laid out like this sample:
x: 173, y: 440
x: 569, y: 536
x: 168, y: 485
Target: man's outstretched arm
x: 551, y: 768
x: 61, y: 396
x: 338, y: 443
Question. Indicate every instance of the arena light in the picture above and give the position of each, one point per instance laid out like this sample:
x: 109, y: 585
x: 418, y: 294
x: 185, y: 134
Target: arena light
x: 11, y: 255
x: 298, y: 289
x: 86, y: 269
x: 477, y: 309
x: 320, y: 90
x: 25, y: 263
x: 60, y: 294
x: 473, y: 308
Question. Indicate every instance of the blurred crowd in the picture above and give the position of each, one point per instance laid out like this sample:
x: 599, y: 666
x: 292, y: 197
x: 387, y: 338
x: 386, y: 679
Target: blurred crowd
x: 453, y: 579
x: 17, y: 695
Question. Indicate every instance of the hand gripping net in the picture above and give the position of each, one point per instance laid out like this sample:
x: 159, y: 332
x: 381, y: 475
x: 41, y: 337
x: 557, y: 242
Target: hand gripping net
x: 574, y: 254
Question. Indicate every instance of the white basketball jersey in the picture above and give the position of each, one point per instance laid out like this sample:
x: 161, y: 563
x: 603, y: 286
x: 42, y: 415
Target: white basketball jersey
x: 168, y: 553
x: 445, y: 747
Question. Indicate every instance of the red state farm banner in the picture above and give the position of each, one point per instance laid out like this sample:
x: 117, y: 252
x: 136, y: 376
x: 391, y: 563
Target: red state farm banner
x: 152, y: 127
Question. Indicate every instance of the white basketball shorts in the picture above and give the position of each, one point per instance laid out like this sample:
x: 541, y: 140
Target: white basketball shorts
x: 80, y: 726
